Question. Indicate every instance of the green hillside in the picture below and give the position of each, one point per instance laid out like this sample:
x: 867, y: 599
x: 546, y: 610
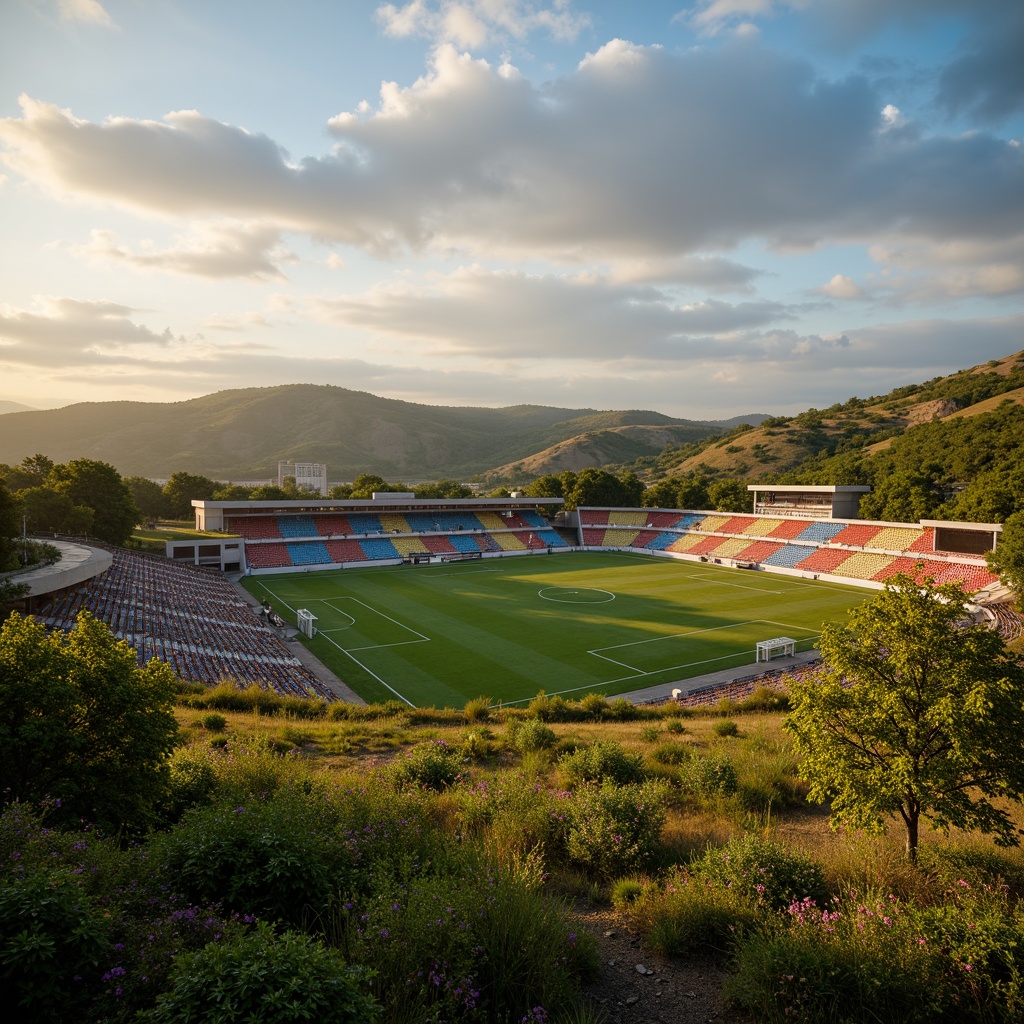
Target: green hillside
x: 244, y: 433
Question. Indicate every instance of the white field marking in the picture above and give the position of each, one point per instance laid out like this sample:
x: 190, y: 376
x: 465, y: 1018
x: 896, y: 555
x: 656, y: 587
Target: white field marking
x: 657, y: 639
x: 348, y: 654
x: 569, y: 592
x: 467, y: 572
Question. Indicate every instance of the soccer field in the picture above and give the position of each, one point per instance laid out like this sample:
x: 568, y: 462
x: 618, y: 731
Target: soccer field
x: 570, y: 624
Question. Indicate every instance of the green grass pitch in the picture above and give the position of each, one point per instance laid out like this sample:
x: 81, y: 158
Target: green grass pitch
x: 570, y: 624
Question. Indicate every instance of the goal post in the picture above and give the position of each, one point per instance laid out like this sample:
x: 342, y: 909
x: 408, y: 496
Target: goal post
x: 780, y: 647
x: 306, y: 622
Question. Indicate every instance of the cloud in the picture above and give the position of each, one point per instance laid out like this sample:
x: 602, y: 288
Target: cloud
x: 90, y: 11
x: 639, y: 154
x: 474, y: 24
x: 214, y: 251
x: 714, y: 273
x: 713, y: 16
x: 841, y: 287
x: 547, y: 317
x: 75, y: 332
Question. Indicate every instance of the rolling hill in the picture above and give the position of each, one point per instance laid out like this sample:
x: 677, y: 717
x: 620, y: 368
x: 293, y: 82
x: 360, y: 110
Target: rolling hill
x: 242, y: 434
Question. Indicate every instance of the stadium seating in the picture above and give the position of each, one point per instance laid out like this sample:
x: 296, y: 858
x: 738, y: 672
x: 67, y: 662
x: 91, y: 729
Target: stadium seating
x: 926, y: 543
x: 686, y: 542
x: 917, y: 568
x: 593, y: 538
x: 345, y: 551
x: 509, y: 542
x: 551, y: 539
x: 731, y: 548
x: 713, y: 524
x: 190, y: 618
x: 333, y: 525
x: 627, y: 518
x: 788, y: 529
x: 972, y: 577
x: 438, y: 545
x: 864, y: 565
x: 594, y: 517
x: 758, y: 551
x: 664, y: 520
x: 410, y: 545
x: 267, y: 556
x: 788, y: 556
x: 856, y: 535
x: 819, y: 533
x: 297, y: 526
x: 662, y: 541
x: 379, y: 548
x: 392, y: 522
x: 822, y: 559
x: 895, y: 538
x: 706, y: 545
x: 491, y: 521
x: 310, y: 553
x: 619, y: 538
x: 365, y: 522
x: 761, y: 527
x: 253, y: 527
x: 466, y: 543
x: 737, y: 524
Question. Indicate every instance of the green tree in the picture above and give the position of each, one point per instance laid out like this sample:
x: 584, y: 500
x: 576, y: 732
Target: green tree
x: 663, y: 494
x: 632, y: 489
x: 269, y: 492
x: 730, y: 496
x: 100, y: 487
x: 693, y: 494
x: 10, y: 527
x: 548, y: 486
x: 366, y: 483
x: 148, y: 496
x: 81, y: 723
x: 443, y: 489
x: 232, y: 492
x: 182, y: 488
x: 1007, y: 561
x: 594, y: 487
x: 930, y: 724
x: 52, y: 511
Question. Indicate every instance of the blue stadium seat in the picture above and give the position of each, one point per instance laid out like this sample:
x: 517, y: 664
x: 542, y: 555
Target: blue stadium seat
x: 297, y: 526
x: 789, y: 556
x: 662, y: 541
x: 820, y: 533
x: 365, y: 522
x: 551, y: 538
x: 379, y: 547
x: 463, y: 542
x: 312, y: 553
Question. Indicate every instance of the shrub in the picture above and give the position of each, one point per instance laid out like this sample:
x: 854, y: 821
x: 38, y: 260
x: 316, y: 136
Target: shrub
x: 52, y: 942
x: 540, y: 707
x: 529, y: 735
x: 671, y: 753
x: 727, y: 727
x: 603, y: 761
x: 708, y: 776
x: 595, y: 706
x: 675, y: 726
x: 431, y: 765
x: 214, y: 722
x: 476, y: 744
x: 477, y: 710
x: 649, y: 733
x: 191, y: 782
x: 257, y: 975
x: 764, y: 872
x: 625, y: 892
x: 614, y: 829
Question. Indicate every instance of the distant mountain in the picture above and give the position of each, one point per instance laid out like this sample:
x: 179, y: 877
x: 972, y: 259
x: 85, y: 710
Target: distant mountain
x: 6, y: 407
x: 243, y: 434
x: 753, y: 418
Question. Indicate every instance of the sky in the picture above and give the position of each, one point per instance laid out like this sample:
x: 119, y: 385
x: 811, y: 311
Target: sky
x: 704, y: 208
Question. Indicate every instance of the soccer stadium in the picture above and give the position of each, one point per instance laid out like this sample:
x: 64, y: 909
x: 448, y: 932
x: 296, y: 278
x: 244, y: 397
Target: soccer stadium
x: 436, y: 601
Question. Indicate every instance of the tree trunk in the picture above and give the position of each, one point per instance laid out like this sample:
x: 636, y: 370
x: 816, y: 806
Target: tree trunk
x: 912, y: 819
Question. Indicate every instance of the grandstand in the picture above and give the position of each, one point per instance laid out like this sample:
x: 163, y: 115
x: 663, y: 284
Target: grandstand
x: 390, y: 528
x: 846, y: 551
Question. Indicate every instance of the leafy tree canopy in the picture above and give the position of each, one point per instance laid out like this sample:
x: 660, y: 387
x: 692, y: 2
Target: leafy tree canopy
x: 182, y: 487
x: 931, y: 723
x: 52, y: 511
x: 148, y: 496
x: 98, y: 486
x: 82, y: 724
x: 1007, y: 561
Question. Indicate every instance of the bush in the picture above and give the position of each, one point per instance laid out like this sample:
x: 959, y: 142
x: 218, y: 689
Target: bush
x: 675, y: 726
x: 257, y: 975
x: 708, y: 776
x: 529, y: 735
x: 671, y: 753
x: 477, y: 710
x: 615, y: 829
x: 625, y: 892
x: 431, y: 765
x: 650, y: 733
x: 192, y: 780
x: 603, y: 761
x: 214, y: 722
x: 595, y: 706
x: 727, y: 727
x: 764, y: 872
x: 52, y: 942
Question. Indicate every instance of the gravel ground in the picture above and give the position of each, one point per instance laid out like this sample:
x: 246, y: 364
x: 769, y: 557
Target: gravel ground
x: 669, y: 990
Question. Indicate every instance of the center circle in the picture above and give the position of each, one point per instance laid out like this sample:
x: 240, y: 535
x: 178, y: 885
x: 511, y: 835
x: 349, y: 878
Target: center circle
x: 576, y: 595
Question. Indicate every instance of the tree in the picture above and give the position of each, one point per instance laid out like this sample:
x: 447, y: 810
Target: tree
x: 99, y: 486
x: 548, y: 486
x: 930, y: 724
x: 10, y: 527
x: 182, y: 488
x: 730, y: 496
x: 663, y: 494
x: 148, y: 496
x: 48, y: 510
x: 693, y: 494
x: 82, y: 724
x: 443, y: 489
x: 594, y: 487
x: 1007, y: 561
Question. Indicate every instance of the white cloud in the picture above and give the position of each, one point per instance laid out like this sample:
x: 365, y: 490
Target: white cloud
x: 477, y: 23
x: 214, y: 251
x: 733, y: 144
x: 842, y: 287
x: 91, y: 11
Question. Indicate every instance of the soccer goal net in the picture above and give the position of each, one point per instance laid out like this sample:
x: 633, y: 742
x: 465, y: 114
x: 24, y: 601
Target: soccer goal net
x: 306, y: 621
